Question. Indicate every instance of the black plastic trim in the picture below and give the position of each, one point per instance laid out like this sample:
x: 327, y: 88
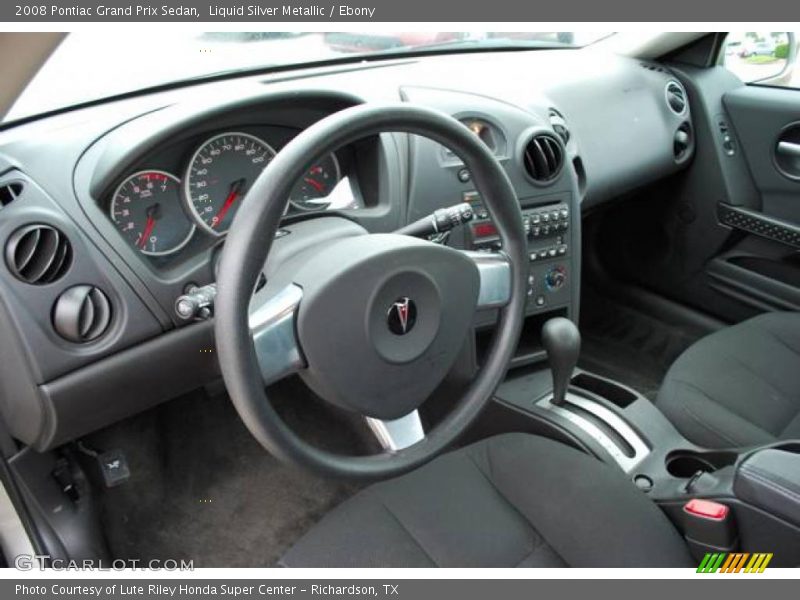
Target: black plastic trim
x: 759, y: 224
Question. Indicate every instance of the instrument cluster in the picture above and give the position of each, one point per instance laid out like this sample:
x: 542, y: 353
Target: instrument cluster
x: 159, y: 212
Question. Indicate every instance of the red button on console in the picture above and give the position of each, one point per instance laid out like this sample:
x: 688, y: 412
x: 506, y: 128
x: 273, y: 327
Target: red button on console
x: 707, y: 509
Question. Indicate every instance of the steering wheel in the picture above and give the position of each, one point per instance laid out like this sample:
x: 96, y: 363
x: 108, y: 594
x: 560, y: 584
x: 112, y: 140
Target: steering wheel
x: 371, y: 322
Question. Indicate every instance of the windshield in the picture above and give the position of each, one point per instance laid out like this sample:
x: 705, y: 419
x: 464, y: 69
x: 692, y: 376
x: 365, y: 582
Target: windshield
x: 91, y: 66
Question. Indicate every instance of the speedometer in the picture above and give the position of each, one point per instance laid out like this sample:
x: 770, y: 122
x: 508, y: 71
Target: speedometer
x: 219, y: 175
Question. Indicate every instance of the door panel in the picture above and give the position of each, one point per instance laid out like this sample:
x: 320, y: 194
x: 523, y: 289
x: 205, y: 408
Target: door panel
x: 761, y: 266
x: 763, y: 117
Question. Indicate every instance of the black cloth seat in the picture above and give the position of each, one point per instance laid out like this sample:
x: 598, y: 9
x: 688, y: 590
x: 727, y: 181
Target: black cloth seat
x: 514, y: 500
x: 739, y: 386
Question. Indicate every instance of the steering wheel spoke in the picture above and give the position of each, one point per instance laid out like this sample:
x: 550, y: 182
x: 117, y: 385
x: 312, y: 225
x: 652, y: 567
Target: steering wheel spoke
x: 272, y: 327
x: 494, y: 269
x: 398, y: 434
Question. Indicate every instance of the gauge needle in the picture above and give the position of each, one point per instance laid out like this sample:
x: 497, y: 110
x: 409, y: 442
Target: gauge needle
x: 314, y: 183
x: 152, y: 215
x: 236, y: 188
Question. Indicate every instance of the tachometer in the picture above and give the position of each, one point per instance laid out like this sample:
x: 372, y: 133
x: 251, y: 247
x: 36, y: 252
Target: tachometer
x: 146, y: 209
x: 316, y: 184
x: 220, y: 174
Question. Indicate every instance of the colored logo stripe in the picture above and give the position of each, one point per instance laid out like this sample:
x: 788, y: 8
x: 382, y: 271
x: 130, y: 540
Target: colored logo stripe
x: 711, y: 562
x: 734, y: 562
x: 758, y: 563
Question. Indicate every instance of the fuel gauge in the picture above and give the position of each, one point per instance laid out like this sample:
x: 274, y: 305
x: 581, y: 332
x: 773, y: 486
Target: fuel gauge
x: 316, y: 184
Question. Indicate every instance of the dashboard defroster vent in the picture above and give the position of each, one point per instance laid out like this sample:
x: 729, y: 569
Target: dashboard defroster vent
x: 543, y: 157
x: 38, y: 254
x: 9, y: 192
x: 676, y: 97
x: 82, y: 314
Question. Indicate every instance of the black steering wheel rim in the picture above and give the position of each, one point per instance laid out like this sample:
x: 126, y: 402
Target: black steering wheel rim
x: 248, y: 244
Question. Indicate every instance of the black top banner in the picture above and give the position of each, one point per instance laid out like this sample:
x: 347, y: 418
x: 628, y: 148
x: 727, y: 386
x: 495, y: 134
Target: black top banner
x: 278, y: 11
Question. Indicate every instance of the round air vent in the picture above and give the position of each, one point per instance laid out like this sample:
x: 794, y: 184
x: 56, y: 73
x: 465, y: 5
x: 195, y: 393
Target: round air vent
x: 81, y: 314
x: 543, y: 157
x: 38, y: 254
x: 559, y: 124
x: 676, y: 97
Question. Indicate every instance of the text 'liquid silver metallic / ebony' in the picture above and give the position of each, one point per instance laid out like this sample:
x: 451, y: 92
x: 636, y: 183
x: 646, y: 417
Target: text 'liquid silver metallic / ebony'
x: 402, y: 316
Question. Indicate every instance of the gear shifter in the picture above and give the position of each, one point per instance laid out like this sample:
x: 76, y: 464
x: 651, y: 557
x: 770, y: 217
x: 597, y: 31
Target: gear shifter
x: 562, y: 341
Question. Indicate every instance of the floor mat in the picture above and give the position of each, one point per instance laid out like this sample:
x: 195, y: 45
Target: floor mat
x: 203, y: 489
x: 626, y: 345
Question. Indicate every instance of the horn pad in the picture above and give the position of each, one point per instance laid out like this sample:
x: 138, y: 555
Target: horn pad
x: 382, y: 320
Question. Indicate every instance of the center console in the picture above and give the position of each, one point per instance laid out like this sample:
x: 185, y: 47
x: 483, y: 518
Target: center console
x: 548, y: 229
x: 552, y: 227
x: 723, y: 501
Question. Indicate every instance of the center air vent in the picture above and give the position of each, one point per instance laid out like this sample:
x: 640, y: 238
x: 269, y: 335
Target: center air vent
x: 38, y: 254
x: 82, y: 314
x: 9, y: 192
x: 544, y: 157
x: 676, y: 97
x: 559, y: 124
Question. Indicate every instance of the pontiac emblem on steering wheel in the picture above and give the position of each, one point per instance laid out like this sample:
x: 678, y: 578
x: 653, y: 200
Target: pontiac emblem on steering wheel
x: 402, y: 316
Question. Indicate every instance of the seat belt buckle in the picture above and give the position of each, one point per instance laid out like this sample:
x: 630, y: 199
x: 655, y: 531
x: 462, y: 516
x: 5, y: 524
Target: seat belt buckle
x: 709, y: 526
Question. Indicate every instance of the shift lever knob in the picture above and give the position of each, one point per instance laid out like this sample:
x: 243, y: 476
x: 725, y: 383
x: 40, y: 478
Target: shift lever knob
x: 562, y: 341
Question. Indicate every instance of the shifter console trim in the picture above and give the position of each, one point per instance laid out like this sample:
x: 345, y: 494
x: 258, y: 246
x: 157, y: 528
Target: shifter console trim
x: 625, y: 431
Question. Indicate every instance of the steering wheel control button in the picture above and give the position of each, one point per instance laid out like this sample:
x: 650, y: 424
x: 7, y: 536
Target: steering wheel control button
x: 402, y: 316
x: 463, y: 175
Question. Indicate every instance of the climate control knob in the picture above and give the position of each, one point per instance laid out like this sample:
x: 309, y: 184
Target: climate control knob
x: 555, y: 278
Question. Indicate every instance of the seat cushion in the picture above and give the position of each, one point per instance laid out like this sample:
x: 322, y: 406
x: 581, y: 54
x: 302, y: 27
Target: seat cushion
x: 739, y: 386
x: 514, y: 500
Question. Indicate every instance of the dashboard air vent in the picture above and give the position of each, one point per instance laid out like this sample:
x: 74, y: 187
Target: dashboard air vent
x: 676, y: 97
x: 9, y: 192
x: 544, y: 157
x: 38, y: 254
x: 559, y: 124
x: 82, y: 314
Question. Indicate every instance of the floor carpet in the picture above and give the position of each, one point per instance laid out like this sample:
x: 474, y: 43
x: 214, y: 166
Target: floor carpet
x: 203, y: 489
x: 629, y: 346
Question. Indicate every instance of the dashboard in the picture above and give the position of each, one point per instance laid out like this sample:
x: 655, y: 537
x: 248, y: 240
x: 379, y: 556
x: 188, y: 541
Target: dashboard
x: 112, y: 212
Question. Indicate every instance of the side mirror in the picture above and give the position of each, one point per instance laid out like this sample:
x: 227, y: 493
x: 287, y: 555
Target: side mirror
x: 766, y: 58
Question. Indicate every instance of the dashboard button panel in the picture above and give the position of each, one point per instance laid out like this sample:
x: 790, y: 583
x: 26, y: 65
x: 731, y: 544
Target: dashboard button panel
x: 547, y: 229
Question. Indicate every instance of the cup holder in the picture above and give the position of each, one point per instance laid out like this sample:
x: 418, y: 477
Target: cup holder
x: 685, y: 463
